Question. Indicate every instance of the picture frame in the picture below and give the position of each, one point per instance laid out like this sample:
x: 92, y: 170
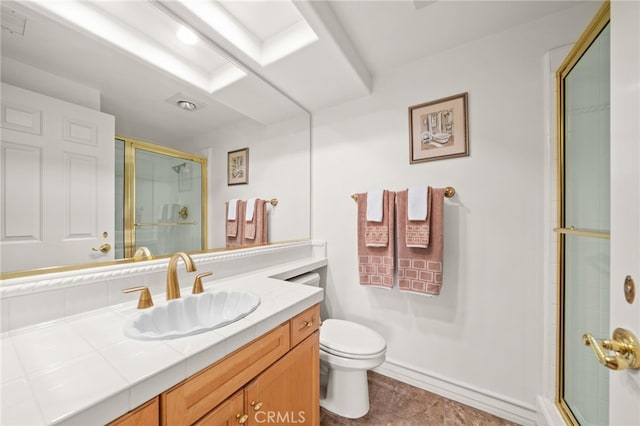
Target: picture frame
x: 238, y: 167
x: 439, y: 129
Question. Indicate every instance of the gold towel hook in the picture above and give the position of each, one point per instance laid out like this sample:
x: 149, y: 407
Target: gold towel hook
x: 449, y: 191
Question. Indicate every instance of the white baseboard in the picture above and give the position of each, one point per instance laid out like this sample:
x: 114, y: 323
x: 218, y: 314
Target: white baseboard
x: 549, y: 412
x: 498, y: 405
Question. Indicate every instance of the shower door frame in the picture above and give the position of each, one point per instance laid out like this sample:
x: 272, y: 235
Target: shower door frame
x: 601, y: 20
x: 130, y: 147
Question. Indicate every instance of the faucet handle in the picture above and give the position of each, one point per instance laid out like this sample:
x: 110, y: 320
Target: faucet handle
x: 145, y: 300
x: 197, y: 283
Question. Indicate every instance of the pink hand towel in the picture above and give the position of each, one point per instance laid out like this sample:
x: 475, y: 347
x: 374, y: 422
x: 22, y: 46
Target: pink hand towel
x: 255, y: 230
x: 420, y: 269
x: 232, y: 222
x: 235, y: 228
x: 376, y: 263
x: 417, y: 231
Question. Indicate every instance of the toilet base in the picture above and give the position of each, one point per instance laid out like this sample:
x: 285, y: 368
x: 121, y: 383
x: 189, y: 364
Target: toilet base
x: 347, y: 393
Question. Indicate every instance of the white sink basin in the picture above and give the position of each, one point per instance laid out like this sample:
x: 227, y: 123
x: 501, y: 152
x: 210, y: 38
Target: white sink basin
x: 191, y: 314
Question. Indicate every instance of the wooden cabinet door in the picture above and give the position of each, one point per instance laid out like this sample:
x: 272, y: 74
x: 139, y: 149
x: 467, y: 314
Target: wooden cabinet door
x: 191, y: 400
x: 287, y: 393
x: 230, y: 412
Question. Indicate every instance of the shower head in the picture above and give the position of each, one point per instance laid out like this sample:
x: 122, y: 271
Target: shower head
x: 179, y: 167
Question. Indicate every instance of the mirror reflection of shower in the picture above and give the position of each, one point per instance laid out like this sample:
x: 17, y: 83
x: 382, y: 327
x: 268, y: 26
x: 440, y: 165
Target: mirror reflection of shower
x: 184, y: 176
x: 178, y: 168
x: 165, y: 205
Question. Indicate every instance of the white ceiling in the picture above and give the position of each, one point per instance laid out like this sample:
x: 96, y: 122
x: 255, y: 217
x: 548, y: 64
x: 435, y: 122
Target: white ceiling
x: 387, y: 34
x: 351, y: 42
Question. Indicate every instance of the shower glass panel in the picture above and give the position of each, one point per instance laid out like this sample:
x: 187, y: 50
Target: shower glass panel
x: 119, y: 201
x: 168, y: 203
x: 161, y: 199
x: 586, y: 223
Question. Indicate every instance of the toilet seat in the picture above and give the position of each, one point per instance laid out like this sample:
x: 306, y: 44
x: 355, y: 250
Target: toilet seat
x: 350, y: 340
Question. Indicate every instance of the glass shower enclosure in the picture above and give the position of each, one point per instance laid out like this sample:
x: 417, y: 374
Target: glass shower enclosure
x: 160, y: 199
x: 584, y: 232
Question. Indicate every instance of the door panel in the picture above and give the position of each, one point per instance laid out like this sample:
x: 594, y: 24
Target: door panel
x: 283, y: 393
x: 625, y: 196
x: 57, y: 166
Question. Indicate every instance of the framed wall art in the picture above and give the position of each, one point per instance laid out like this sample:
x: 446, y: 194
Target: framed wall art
x: 238, y: 167
x: 439, y: 129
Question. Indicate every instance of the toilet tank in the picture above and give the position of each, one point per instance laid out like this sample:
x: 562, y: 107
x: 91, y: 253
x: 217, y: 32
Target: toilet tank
x: 310, y: 278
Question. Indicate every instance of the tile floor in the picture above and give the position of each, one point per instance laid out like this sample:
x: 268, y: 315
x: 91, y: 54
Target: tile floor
x: 394, y: 403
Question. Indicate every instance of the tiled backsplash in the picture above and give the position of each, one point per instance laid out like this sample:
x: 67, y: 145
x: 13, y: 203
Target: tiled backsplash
x: 40, y: 298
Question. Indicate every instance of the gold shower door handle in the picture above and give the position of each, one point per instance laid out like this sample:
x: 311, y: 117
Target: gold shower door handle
x: 619, y: 353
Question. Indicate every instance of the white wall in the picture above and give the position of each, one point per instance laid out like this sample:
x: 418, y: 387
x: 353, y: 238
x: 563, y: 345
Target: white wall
x: 279, y: 161
x: 482, y: 337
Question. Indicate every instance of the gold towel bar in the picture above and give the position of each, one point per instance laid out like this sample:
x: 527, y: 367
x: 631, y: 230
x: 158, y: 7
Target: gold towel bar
x: 582, y: 233
x: 449, y: 192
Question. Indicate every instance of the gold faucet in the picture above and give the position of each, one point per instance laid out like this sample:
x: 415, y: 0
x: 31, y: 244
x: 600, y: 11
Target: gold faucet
x: 173, y: 286
x: 142, y: 252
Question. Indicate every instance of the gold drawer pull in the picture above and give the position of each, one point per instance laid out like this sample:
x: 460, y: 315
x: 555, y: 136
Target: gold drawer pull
x: 308, y: 323
x: 242, y: 420
x: 256, y: 405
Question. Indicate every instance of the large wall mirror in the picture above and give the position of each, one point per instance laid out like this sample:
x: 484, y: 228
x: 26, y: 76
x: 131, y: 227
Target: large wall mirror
x: 229, y: 108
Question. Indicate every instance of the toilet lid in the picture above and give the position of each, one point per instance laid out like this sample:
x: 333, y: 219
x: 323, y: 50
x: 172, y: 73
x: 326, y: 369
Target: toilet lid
x: 350, y: 338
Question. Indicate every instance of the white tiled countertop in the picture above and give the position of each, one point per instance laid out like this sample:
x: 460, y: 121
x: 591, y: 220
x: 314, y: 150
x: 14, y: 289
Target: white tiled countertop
x: 83, y: 370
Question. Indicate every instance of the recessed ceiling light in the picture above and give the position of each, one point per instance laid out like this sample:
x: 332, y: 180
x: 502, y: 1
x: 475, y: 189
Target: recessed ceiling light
x: 187, y: 105
x: 186, y: 36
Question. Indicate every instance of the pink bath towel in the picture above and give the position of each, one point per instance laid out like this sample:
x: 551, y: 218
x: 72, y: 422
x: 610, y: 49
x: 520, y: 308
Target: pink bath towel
x: 234, y: 229
x: 255, y: 230
x: 420, y: 269
x: 376, y: 259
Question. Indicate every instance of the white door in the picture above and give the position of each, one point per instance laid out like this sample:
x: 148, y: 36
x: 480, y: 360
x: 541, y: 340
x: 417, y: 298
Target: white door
x: 624, y: 386
x: 57, y: 182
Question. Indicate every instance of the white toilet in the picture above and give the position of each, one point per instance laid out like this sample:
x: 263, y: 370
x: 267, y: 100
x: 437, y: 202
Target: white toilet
x: 347, y: 351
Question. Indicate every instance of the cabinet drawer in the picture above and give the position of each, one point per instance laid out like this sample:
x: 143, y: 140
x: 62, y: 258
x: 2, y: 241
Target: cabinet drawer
x: 189, y: 401
x: 303, y: 324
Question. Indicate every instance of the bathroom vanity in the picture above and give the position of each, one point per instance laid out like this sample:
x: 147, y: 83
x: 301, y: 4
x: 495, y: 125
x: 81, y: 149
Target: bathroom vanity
x: 79, y: 367
x: 275, y: 378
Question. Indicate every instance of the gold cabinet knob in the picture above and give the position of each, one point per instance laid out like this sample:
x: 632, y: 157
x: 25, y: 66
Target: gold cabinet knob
x: 256, y: 405
x: 619, y: 353
x: 104, y: 248
x: 242, y: 419
x: 308, y: 323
